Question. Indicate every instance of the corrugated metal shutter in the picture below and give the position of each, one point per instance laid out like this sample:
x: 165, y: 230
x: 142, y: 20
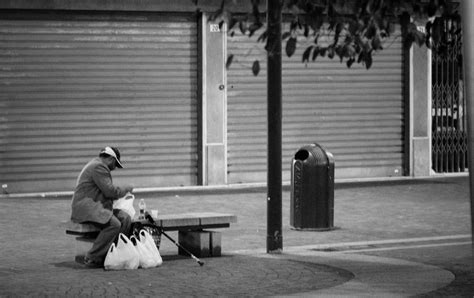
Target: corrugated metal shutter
x: 356, y: 114
x: 72, y: 86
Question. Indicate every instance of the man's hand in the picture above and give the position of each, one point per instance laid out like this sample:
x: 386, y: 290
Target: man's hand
x: 129, y: 189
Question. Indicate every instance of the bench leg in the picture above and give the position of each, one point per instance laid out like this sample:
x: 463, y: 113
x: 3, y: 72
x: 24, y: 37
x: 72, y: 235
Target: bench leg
x: 200, y: 243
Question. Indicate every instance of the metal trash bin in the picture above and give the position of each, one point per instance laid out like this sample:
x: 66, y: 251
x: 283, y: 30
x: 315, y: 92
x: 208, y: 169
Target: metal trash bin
x: 312, y: 189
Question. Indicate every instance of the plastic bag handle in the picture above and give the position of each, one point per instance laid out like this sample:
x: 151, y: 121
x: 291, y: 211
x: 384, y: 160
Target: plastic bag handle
x: 123, y: 237
x: 129, y: 196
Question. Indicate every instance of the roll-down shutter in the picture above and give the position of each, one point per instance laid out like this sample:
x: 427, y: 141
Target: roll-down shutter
x: 356, y: 114
x: 73, y: 85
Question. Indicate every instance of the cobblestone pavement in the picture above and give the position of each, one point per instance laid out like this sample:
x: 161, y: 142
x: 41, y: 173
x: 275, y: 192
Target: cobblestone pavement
x: 226, y: 276
x: 37, y: 257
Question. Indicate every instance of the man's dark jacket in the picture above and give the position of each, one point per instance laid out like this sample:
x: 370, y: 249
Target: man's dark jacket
x: 94, y: 194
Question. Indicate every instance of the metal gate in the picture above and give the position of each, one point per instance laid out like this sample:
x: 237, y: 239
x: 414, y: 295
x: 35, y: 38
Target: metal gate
x: 449, y: 126
x: 358, y: 115
x: 73, y: 83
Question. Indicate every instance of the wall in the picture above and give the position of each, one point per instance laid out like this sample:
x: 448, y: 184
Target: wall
x: 420, y: 110
x: 126, y: 5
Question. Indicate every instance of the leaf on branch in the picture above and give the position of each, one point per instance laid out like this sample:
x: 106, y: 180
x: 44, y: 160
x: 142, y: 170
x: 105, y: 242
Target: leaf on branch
x: 336, y: 35
x: 431, y: 9
x: 316, y: 39
x: 293, y: 25
x: 254, y: 27
x: 331, y: 11
x: 331, y: 52
x: 410, y: 35
x: 436, y: 31
x: 371, y: 31
x: 255, y: 11
x: 291, y: 46
x: 263, y: 37
x: 232, y: 23
x: 390, y: 29
x: 218, y: 13
x: 349, y: 51
x: 256, y: 67
x: 368, y: 60
x: 340, y: 52
x: 339, y: 28
x: 405, y: 19
x: 243, y: 27
x: 376, y: 43
x: 353, y: 27
x: 229, y: 61
x: 291, y: 3
x: 322, y: 52
x: 306, y: 54
x: 315, y: 53
x: 411, y: 28
x: 316, y: 22
x: 350, y: 62
x: 285, y: 35
x: 361, y: 57
x: 408, y: 40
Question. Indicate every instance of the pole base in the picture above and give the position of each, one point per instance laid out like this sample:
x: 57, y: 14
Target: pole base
x: 274, y: 244
x: 315, y: 229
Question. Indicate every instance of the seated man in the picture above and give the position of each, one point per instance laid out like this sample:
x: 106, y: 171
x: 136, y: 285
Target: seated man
x: 92, y: 203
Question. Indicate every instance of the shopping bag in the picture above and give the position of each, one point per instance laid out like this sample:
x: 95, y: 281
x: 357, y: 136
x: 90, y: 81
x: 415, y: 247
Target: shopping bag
x: 122, y: 256
x: 147, y: 259
x: 147, y: 240
x: 126, y: 204
x: 153, y: 230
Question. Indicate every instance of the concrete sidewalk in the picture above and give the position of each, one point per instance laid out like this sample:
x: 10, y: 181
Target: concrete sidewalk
x: 399, y: 238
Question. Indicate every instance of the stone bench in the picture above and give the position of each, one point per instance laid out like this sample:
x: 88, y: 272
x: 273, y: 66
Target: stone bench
x: 191, y: 227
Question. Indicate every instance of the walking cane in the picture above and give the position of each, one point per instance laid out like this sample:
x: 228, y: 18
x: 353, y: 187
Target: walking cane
x: 152, y: 221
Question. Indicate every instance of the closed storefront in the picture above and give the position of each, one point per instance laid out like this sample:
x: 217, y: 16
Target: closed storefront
x: 356, y: 114
x: 73, y: 83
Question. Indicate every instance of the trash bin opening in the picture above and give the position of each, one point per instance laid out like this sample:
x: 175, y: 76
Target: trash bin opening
x: 302, y: 155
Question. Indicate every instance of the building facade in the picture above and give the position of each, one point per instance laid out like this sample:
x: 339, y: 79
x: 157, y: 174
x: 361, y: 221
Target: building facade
x: 149, y: 77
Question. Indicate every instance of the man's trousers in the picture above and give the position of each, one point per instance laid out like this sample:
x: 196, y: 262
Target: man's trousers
x: 120, y: 222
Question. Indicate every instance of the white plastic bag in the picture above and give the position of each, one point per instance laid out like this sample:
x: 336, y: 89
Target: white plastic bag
x: 147, y: 259
x: 122, y: 256
x: 147, y: 240
x: 126, y: 204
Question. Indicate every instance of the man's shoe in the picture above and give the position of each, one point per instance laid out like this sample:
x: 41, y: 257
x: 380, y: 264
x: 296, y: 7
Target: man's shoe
x: 92, y: 264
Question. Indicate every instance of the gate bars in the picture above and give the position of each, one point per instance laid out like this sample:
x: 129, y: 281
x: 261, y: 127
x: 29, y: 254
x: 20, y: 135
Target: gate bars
x: 449, y: 126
